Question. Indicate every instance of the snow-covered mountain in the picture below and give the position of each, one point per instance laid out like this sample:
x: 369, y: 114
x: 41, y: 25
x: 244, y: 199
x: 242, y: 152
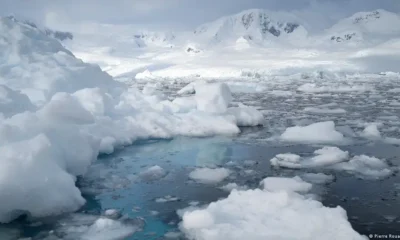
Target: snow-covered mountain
x: 251, y: 26
x: 365, y: 27
x: 60, y: 35
x: 154, y: 39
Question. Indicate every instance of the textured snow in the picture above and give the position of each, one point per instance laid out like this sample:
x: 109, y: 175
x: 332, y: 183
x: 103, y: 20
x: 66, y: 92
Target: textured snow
x: 371, y: 131
x: 88, y: 227
x: 295, y: 184
x: 258, y: 214
x: 209, y: 175
x: 321, y: 132
x: 317, y: 178
x: 324, y: 157
x: 327, y: 156
x: 153, y: 173
x: 287, y: 160
x: 366, y: 167
x: 337, y: 159
x: 214, y: 98
x: 233, y: 186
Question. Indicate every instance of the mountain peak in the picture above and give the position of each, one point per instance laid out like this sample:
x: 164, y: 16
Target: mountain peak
x: 255, y: 25
x: 60, y: 35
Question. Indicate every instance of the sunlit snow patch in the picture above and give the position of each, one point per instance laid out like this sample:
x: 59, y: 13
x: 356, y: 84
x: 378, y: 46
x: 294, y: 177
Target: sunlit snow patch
x: 152, y: 173
x: 268, y: 214
x: 325, y: 156
x: 321, y: 132
x: 295, y: 184
x: 209, y: 175
x: 366, y: 167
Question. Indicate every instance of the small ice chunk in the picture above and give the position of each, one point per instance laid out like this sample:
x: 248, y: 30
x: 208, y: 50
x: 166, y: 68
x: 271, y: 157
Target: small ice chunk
x: 153, y: 173
x: 154, y: 213
x: 246, y: 116
x: 321, y: 132
x: 209, y: 175
x: 287, y: 160
x: 295, y: 184
x: 323, y: 157
x: 213, y: 97
x: 249, y: 171
x: 194, y: 203
x: 390, y: 140
x: 371, y: 131
x: 328, y: 156
x: 317, y: 178
x: 366, y: 167
x: 167, y: 198
x: 173, y: 235
x: 190, y: 88
x: 107, y: 229
x: 112, y: 213
x: 231, y: 186
x: 197, y: 219
x: 249, y: 163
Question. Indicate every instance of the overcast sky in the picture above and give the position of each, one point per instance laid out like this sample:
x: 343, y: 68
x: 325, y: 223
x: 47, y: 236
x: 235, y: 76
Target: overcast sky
x: 181, y: 14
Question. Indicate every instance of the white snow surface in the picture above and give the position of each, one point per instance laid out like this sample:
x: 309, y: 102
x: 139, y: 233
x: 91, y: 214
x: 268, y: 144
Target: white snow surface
x: 324, y: 157
x: 270, y: 214
x: 295, y: 184
x: 321, y: 132
x: 371, y: 131
x: 366, y: 167
x: 59, y: 113
x: 209, y: 175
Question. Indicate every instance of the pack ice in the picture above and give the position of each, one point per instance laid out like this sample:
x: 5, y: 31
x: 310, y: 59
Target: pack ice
x: 58, y: 113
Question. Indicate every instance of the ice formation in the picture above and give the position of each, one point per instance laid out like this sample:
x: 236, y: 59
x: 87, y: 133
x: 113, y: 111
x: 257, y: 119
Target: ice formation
x: 58, y: 113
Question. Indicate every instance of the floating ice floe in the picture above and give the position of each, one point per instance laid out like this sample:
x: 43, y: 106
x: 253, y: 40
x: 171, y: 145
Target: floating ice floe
x: 209, y: 175
x: 335, y: 158
x: 321, y: 132
x: 152, y: 173
x: 273, y: 213
x: 366, y: 167
x: 325, y: 156
x: 295, y: 184
x: 371, y: 131
x: 88, y: 227
x: 167, y: 198
x: 317, y: 178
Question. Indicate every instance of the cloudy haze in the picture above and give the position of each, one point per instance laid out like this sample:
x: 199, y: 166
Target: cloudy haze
x: 181, y: 14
